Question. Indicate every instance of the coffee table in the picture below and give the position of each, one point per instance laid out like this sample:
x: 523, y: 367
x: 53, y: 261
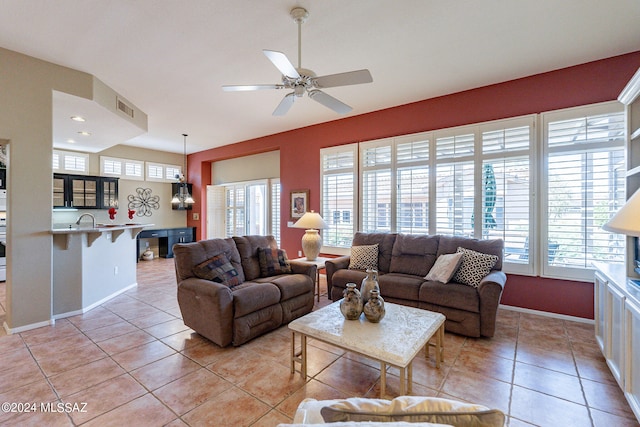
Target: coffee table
x: 396, y: 340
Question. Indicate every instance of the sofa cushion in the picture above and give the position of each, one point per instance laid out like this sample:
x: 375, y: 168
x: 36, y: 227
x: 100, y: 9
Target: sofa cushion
x: 413, y: 254
x: 445, y: 267
x: 188, y: 255
x: 413, y: 409
x: 385, y: 246
x: 452, y: 294
x: 450, y: 244
x: 251, y: 296
x: 248, y: 250
x: 218, y: 269
x: 290, y: 285
x: 400, y: 286
x: 364, y: 257
x: 475, y: 266
x: 273, y: 261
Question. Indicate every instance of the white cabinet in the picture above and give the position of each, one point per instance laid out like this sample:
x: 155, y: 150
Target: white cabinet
x: 617, y: 326
x: 615, y: 343
x: 600, y: 299
x: 632, y: 364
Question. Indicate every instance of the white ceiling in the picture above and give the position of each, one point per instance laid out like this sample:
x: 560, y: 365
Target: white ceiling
x: 171, y: 57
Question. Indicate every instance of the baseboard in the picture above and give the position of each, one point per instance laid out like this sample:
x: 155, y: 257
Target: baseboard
x: 95, y: 304
x: 547, y: 314
x: 53, y: 319
x: 25, y: 328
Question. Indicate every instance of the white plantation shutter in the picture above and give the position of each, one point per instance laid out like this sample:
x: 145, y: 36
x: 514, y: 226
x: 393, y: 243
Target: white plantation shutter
x: 585, y: 187
x: 376, y: 186
x: 122, y: 168
x: 216, y: 211
x: 170, y: 172
x: 507, y: 205
x: 512, y: 207
x: 133, y: 170
x: 455, y: 184
x: 412, y: 185
x: 235, y: 210
x: 111, y: 167
x: 454, y: 198
x: 338, y: 181
x: 274, y: 198
x: 154, y: 171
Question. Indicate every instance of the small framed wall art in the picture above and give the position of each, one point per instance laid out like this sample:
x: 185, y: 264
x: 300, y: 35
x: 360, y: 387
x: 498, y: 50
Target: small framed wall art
x: 299, y: 203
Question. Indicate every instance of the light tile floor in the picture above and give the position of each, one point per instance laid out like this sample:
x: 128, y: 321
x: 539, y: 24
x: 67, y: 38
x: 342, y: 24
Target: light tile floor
x: 133, y: 362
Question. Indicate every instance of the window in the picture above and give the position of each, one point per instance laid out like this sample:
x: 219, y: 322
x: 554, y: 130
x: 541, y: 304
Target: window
x: 274, y: 201
x: 162, y: 172
x: 246, y: 208
x: 72, y: 162
x: 412, y: 184
x: 545, y: 194
x: 122, y: 168
x: 584, y: 153
x: 507, y: 153
x: 338, y: 181
x: 455, y: 190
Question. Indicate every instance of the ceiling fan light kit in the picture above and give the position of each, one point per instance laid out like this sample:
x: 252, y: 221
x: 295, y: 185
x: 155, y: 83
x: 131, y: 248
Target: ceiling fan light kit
x: 302, y: 80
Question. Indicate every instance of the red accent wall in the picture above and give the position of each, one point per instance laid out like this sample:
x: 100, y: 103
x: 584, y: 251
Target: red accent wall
x: 588, y: 83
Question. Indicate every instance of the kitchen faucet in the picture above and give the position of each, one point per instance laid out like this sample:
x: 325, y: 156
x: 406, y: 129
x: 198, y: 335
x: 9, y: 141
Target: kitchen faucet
x: 93, y: 219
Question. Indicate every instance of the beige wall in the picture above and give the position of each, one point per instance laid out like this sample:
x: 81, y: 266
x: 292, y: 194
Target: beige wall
x: 26, y: 85
x: 247, y: 168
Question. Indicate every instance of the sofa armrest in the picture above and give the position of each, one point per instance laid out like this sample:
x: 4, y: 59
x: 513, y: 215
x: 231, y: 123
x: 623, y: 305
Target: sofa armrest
x: 490, y: 290
x: 333, y: 265
x: 207, y: 308
x: 305, y: 268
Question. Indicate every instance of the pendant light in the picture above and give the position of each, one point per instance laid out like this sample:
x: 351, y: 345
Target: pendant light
x: 183, y: 197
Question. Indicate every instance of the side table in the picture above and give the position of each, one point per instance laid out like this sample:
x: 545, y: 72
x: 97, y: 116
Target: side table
x: 318, y: 262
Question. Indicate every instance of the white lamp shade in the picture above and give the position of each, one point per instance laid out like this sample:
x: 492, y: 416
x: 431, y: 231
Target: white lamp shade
x: 311, y: 220
x: 311, y: 241
x: 627, y: 219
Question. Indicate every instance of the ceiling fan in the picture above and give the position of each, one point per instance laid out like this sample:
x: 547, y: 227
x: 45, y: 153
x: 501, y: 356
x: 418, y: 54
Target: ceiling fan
x: 302, y: 80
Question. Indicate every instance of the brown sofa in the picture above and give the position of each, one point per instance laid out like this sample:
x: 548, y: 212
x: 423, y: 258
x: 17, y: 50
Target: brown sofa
x: 236, y: 314
x: 403, y: 262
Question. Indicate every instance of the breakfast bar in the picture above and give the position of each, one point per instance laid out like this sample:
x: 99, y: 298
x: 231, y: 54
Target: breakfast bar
x: 92, y: 264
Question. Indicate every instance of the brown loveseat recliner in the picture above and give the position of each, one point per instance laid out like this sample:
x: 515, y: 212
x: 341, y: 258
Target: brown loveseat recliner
x: 239, y: 313
x: 403, y: 262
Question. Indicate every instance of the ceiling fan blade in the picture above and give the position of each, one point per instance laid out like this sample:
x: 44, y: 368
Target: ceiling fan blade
x: 329, y: 101
x: 285, y: 104
x: 282, y: 63
x: 343, y: 79
x: 238, y: 88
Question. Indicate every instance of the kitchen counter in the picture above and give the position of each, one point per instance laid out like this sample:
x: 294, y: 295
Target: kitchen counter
x: 91, y: 265
x: 95, y: 232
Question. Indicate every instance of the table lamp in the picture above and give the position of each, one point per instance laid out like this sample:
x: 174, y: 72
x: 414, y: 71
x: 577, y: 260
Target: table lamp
x: 627, y: 219
x: 311, y: 241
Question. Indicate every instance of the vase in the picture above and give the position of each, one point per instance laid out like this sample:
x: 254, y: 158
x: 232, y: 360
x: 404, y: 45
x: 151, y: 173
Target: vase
x: 374, y: 309
x: 351, y: 303
x: 369, y: 283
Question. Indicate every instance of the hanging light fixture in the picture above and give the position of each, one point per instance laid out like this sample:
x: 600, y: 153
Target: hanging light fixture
x: 182, y: 198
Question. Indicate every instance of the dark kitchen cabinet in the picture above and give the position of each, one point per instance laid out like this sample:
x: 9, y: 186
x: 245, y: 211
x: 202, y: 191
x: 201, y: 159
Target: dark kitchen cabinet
x: 167, y: 237
x: 84, y: 192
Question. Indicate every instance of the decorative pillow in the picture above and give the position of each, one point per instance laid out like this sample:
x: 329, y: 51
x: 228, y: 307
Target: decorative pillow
x: 475, y: 266
x: 218, y: 269
x: 445, y: 267
x: 364, y: 257
x: 273, y: 262
x: 413, y: 409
